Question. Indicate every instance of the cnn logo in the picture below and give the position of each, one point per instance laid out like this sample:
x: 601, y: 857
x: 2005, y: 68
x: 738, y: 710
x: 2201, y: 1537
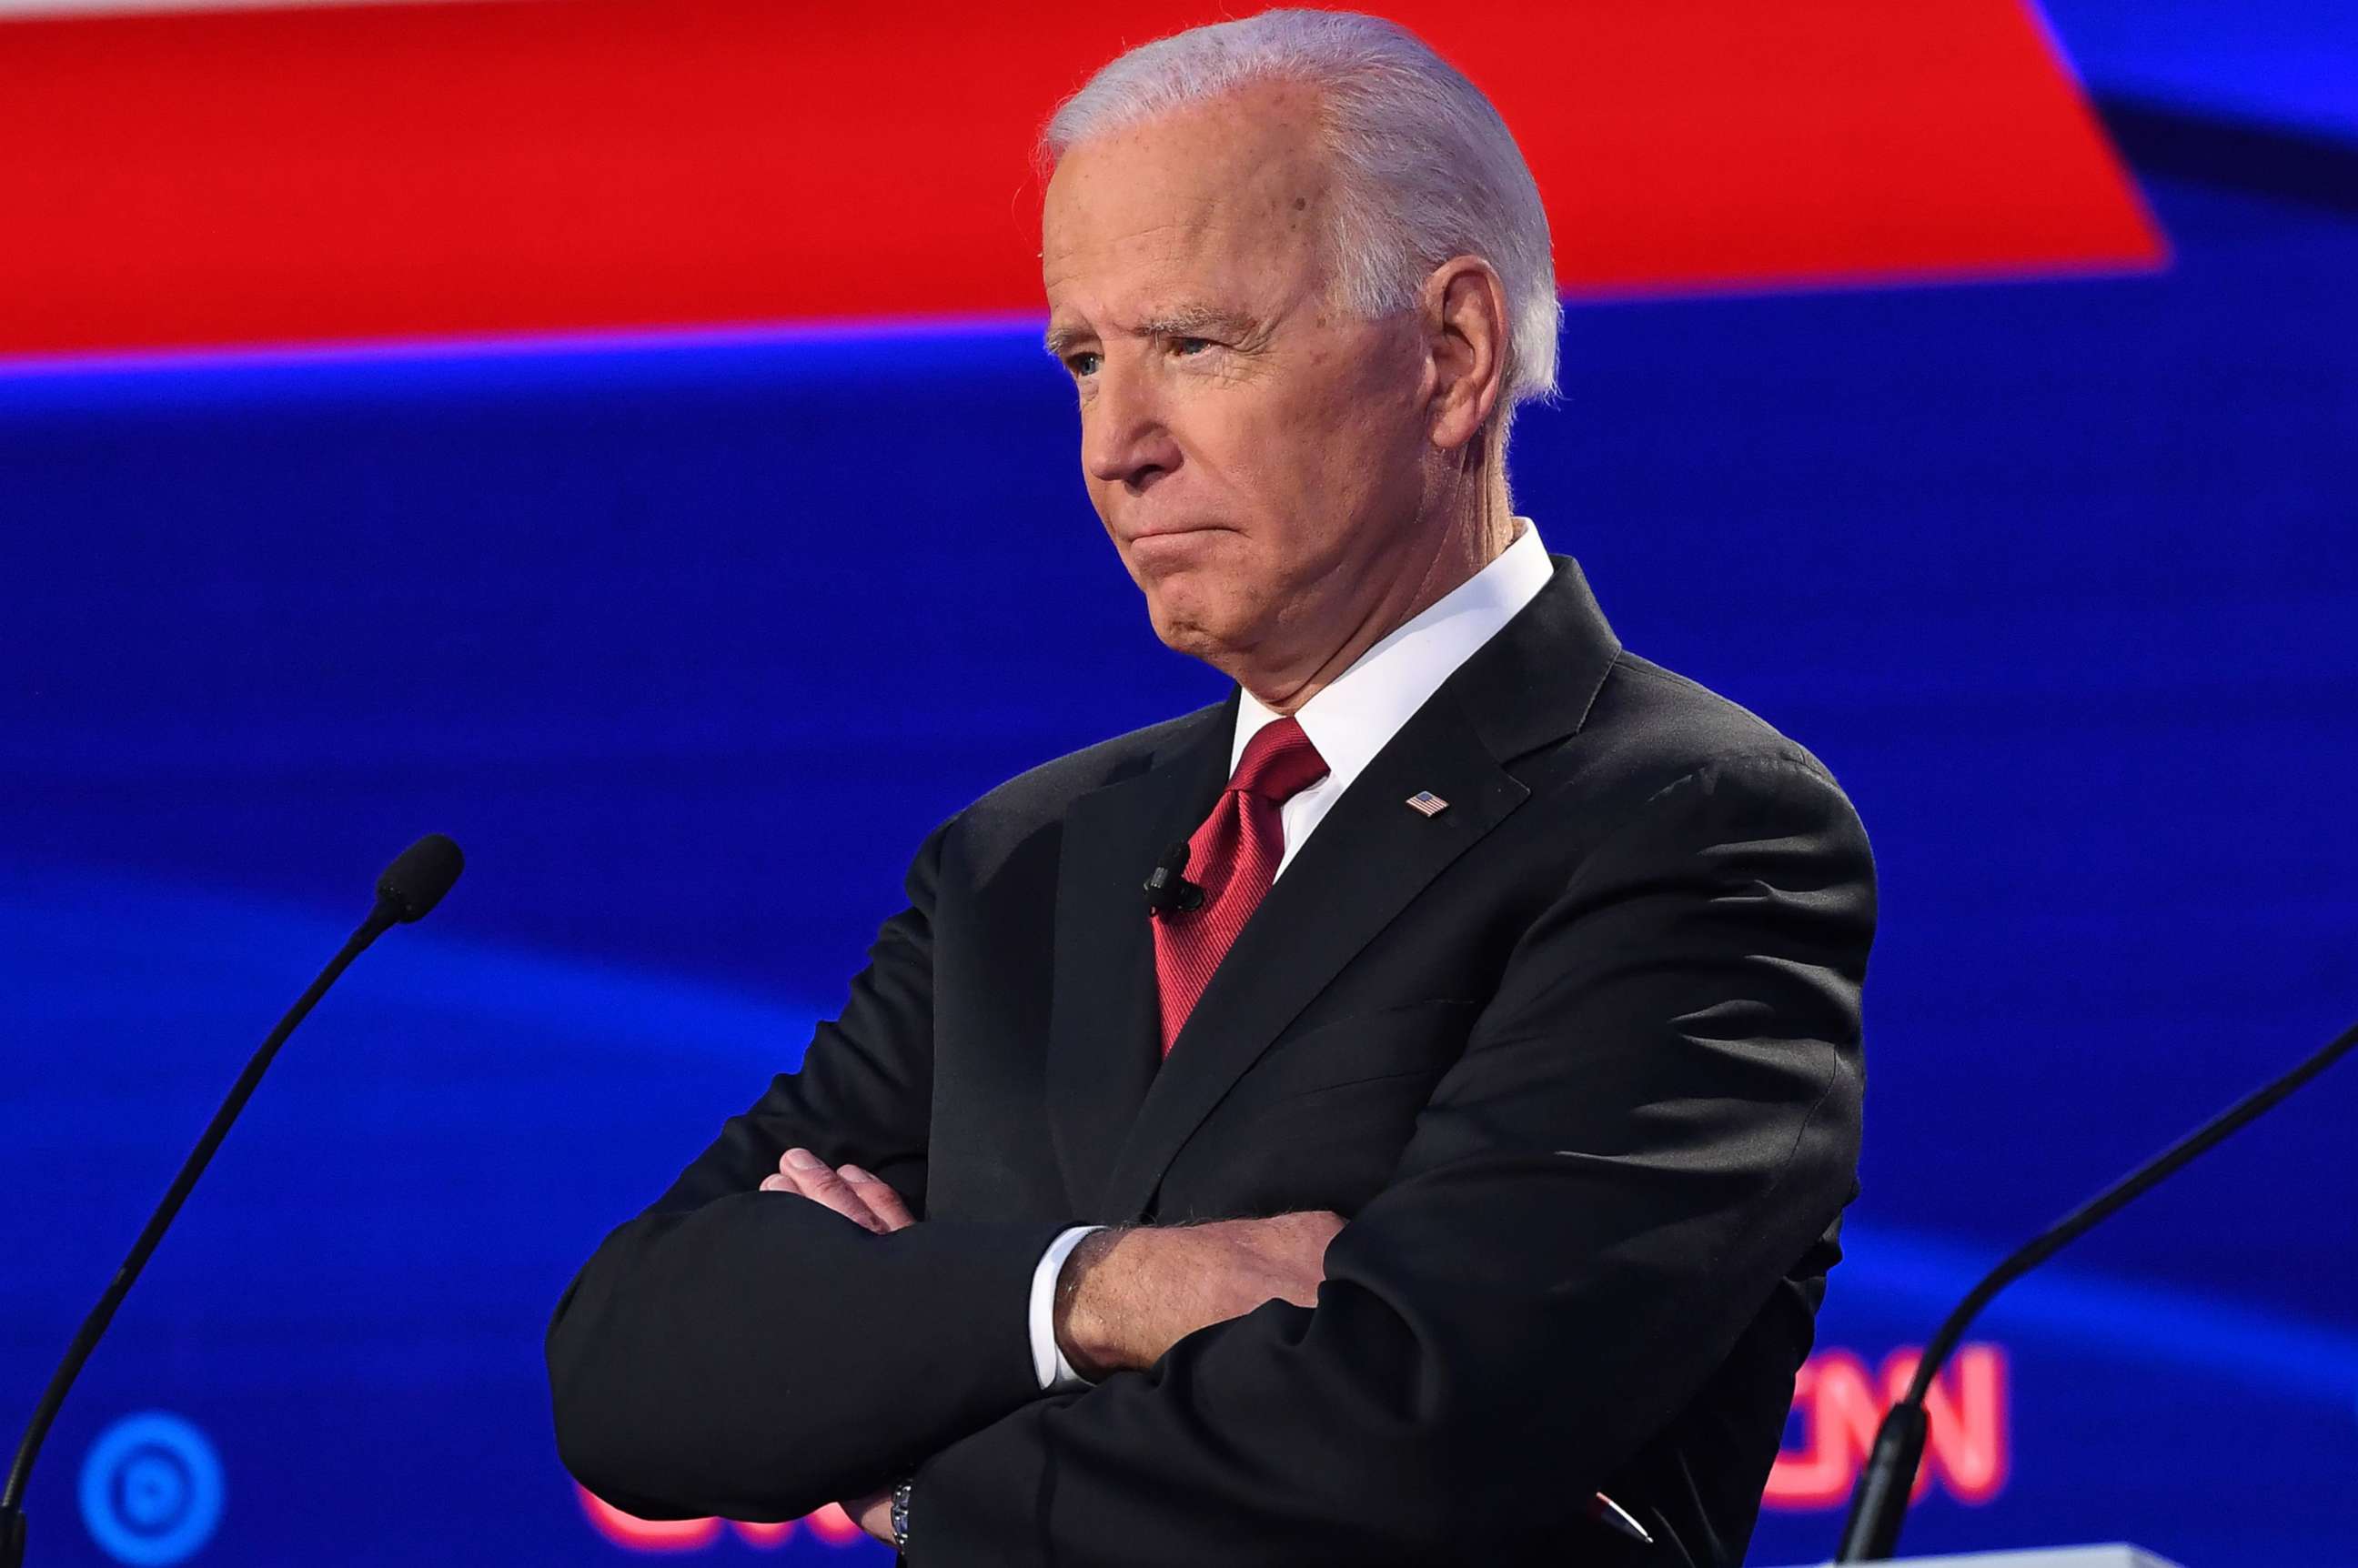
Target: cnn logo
x: 1837, y: 1405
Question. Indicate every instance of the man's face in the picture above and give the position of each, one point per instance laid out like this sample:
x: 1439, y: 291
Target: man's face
x: 1253, y: 449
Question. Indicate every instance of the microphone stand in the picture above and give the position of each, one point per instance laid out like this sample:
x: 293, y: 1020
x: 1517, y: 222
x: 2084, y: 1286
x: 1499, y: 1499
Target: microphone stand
x: 400, y: 897
x: 1879, y: 1505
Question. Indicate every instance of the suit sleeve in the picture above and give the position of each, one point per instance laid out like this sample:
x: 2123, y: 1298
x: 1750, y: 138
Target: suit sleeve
x: 1656, y: 1114
x: 755, y: 1355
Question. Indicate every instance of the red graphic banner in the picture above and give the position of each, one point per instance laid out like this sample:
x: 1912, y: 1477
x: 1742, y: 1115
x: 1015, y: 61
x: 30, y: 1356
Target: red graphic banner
x: 365, y: 172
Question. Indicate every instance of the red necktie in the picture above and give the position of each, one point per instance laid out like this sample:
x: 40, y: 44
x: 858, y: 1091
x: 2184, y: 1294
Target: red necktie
x: 1233, y: 858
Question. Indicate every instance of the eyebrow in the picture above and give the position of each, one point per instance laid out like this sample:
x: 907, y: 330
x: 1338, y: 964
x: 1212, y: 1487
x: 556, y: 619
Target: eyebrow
x: 1179, y: 321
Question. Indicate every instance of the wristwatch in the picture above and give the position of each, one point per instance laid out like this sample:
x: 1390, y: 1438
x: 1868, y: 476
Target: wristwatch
x: 900, y: 1514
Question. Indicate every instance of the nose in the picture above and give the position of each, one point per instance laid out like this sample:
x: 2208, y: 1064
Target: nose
x: 1125, y: 435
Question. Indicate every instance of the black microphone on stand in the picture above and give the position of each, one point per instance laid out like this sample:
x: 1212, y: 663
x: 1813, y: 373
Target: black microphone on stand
x: 1879, y: 1505
x: 412, y: 885
x: 1166, y: 891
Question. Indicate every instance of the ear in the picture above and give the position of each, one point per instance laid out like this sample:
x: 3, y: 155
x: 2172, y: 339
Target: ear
x: 1465, y: 320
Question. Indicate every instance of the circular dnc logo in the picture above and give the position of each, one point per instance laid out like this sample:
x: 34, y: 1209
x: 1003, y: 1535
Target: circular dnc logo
x: 151, y: 1490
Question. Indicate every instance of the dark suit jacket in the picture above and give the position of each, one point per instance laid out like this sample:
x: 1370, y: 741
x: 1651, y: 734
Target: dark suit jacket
x: 1577, y: 1058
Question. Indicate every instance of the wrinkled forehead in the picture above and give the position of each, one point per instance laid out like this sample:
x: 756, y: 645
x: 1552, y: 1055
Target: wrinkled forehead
x: 1232, y: 190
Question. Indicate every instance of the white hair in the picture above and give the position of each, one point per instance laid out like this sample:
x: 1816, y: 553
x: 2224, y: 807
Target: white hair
x: 1427, y: 170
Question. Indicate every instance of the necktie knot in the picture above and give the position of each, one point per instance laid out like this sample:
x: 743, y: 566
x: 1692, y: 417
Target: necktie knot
x: 1278, y: 762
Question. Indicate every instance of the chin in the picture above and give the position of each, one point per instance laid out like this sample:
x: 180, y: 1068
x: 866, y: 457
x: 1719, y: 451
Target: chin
x: 1183, y: 622
x: 1199, y: 631
x: 1183, y: 635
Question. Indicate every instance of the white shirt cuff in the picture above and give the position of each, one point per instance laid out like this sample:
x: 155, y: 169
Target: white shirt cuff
x: 1048, y: 1363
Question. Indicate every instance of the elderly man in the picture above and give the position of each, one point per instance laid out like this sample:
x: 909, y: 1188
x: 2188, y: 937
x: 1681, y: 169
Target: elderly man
x: 1456, y: 1128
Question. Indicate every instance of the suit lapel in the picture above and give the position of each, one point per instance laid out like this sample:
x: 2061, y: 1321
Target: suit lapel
x: 1105, y: 1030
x: 1372, y: 854
x: 1369, y: 857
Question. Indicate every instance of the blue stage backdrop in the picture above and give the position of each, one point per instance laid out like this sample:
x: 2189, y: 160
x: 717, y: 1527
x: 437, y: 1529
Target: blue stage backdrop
x: 690, y: 643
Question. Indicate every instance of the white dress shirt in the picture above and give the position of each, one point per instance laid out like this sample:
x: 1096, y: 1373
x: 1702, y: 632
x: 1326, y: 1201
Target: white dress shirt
x: 1350, y: 719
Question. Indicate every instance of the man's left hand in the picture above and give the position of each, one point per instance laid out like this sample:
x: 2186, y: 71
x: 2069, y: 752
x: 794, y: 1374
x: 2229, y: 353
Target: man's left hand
x: 865, y: 1200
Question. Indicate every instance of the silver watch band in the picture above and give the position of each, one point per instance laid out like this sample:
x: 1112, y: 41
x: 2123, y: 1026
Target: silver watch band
x: 900, y: 1514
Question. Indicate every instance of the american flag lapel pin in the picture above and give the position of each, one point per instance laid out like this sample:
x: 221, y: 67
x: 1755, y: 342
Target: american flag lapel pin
x: 1428, y: 803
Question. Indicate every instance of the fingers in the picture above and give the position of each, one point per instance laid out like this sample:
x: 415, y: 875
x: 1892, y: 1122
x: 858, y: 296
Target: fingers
x: 852, y: 1193
x: 800, y: 1171
x: 883, y: 1201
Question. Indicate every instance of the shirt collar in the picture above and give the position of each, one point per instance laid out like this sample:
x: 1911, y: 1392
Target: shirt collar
x: 1355, y: 715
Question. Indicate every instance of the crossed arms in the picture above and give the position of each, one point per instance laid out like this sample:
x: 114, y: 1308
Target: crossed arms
x: 1127, y: 1294
x: 1656, y: 1113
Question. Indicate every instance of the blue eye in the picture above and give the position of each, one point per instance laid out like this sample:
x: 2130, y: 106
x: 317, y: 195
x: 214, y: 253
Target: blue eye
x: 1189, y: 345
x: 1083, y: 364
